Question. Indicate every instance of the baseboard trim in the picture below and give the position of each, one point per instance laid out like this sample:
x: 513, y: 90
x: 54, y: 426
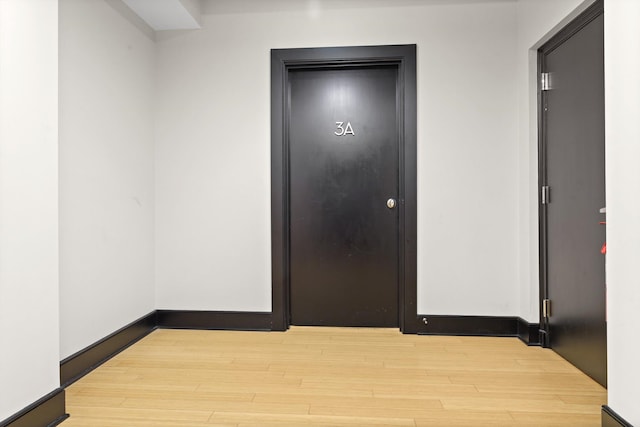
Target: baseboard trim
x: 468, y: 325
x: 230, y: 320
x: 489, y: 326
x: 84, y: 361
x: 529, y: 333
x: 611, y: 419
x: 48, y: 411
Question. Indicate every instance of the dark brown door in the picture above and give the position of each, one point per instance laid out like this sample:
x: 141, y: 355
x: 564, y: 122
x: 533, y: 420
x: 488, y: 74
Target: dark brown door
x: 343, y: 155
x: 573, y: 118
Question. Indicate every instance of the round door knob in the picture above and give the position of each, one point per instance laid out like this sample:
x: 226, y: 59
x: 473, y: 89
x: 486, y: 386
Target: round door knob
x: 391, y: 203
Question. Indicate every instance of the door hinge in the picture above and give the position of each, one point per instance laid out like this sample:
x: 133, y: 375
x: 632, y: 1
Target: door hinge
x: 546, y: 308
x: 544, y: 195
x: 545, y: 81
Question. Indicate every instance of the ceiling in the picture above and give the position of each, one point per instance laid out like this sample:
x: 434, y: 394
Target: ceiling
x: 164, y: 15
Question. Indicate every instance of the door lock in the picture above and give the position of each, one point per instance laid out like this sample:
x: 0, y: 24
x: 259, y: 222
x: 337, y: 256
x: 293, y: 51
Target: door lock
x: 391, y: 203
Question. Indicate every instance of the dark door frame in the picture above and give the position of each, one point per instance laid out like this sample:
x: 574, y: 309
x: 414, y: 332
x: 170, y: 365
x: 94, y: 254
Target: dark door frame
x: 284, y: 60
x: 582, y: 20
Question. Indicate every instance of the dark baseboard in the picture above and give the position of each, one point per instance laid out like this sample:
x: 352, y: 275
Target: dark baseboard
x: 231, y: 320
x: 490, y: 326
x: 529, y: 333
x: 611, y: 419
x: 468, y: 325
x: 46, y: 412
x: 84, y: 361
x: 79, y: 364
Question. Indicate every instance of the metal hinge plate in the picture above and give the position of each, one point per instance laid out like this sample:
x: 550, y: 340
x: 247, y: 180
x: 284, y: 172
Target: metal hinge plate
x: 545, y: 81
x: 544, y: 195
x: 546, y: 308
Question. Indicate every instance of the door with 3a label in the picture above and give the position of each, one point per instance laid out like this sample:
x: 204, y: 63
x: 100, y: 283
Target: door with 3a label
x: 343, y: 175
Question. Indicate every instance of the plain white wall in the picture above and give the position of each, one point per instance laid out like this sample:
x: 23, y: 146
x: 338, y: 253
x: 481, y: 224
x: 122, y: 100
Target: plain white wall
x: 107, y: 86
x: 622, y: 110
x: 538, y: 21
x: 212, y: 148
x: 29, y: 367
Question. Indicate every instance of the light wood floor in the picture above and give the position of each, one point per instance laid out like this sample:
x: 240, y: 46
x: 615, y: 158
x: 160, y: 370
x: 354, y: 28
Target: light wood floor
x: 332, y: 377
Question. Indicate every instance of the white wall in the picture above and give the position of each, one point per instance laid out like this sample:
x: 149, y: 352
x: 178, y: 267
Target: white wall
x: 622, y: 109
x: 107, y: 90
x: 29, y: 366
x: 538, y: 21
x: 212, y: 152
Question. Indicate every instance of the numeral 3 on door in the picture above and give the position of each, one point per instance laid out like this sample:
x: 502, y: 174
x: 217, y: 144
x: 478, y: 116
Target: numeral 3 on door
x: 344, y: 130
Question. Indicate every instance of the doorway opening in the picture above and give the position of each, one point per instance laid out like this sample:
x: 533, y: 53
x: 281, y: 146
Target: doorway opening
x: 343, y: 186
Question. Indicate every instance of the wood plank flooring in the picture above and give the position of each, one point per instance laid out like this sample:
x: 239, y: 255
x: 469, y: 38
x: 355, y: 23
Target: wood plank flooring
x: 332, y: 377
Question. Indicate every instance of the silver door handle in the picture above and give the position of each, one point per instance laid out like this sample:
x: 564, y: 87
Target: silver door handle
x: 391, y: 203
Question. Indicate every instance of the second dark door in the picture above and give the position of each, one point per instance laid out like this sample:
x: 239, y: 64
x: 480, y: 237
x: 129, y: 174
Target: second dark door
x: 573, y: 115
x: 343, y: 175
